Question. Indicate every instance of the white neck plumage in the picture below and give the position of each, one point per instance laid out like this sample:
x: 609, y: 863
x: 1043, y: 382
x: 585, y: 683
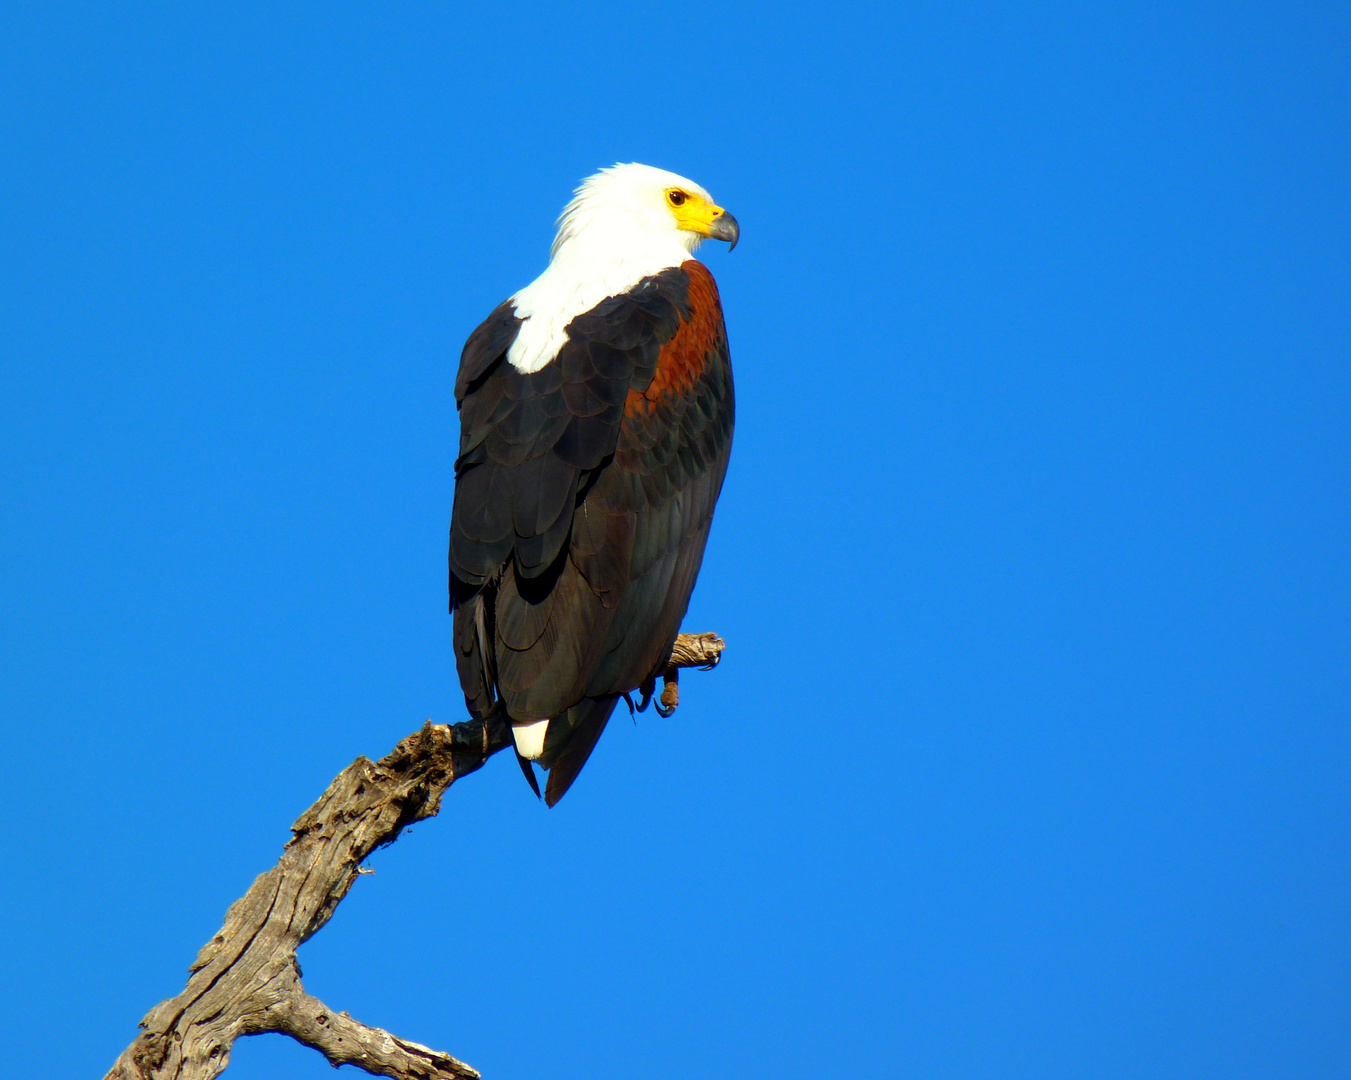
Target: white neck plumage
x: 597, y: 254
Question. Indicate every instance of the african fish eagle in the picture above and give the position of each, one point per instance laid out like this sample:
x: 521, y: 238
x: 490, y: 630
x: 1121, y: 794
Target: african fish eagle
x: 595, y: 426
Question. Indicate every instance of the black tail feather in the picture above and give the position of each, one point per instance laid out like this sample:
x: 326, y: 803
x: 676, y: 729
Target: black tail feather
x: 529, y: 771
x: 588, y: 719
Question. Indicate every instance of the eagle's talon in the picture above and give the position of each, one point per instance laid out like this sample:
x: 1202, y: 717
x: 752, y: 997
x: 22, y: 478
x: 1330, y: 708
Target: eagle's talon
x: 670, y: 695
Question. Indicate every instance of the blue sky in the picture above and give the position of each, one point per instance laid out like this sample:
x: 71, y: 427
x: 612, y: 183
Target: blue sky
x: 1030, y: 755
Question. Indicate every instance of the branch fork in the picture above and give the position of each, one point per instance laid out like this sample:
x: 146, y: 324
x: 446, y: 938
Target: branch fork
x: 246, y: 981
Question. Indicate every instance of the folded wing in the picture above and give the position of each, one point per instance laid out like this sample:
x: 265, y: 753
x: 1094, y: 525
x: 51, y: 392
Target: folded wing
x: 583, y: 499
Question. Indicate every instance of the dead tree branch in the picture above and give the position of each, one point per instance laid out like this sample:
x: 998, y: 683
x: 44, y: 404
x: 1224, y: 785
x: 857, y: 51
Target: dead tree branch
x: 245, y: 980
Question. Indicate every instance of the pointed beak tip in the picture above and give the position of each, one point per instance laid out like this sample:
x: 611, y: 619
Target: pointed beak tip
x: 726, y: 228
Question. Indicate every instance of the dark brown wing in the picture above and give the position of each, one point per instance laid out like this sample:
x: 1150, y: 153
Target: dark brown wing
x: 584, y: 494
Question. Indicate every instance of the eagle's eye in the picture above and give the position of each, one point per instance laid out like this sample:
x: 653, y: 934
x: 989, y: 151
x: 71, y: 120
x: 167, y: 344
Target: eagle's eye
x: 676, y: 197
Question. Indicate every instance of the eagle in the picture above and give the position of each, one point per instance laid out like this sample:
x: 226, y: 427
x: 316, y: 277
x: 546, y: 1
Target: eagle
x: 596, y: 416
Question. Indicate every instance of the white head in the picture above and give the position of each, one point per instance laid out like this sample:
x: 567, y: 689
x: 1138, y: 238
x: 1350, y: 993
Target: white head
x: 625, y: 224
x: 633, y: 206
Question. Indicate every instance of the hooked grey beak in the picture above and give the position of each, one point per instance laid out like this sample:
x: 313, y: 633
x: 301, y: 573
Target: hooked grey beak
x: 724, y: 227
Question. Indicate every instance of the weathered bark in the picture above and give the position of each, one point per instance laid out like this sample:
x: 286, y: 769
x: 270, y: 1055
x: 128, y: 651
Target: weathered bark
x: 245, y: 980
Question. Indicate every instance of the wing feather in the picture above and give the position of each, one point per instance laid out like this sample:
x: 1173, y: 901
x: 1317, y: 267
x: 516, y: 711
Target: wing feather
x: 584, y: 495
